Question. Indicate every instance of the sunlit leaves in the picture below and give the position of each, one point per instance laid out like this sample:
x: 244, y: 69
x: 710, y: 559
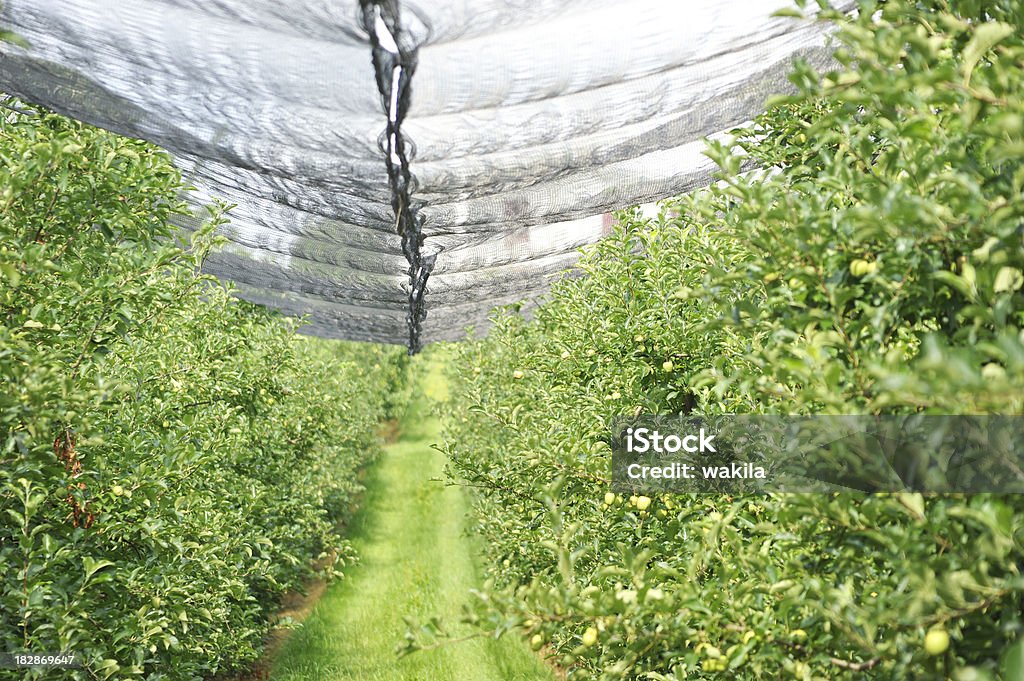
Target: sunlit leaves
x: 872, y: 265
x: 172, y: 460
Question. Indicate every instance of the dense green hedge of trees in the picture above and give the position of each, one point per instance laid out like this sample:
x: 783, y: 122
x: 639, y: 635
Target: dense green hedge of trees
x: 172, y: 460
x: 873, y: 265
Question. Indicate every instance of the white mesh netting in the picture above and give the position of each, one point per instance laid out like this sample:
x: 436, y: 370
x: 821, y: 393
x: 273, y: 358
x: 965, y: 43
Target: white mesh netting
x: 482, y: 144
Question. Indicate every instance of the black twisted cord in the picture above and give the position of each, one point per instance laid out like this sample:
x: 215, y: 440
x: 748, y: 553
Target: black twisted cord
x: 394, y: 65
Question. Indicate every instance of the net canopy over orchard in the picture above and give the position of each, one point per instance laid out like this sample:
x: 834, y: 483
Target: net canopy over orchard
x: 387, y: 158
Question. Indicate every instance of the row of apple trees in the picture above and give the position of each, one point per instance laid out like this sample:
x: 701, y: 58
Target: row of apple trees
x: 876, y: 268
x: 172, y: 460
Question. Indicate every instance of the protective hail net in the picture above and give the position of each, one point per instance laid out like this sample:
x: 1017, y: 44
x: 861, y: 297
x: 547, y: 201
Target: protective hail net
x: 400, y: 167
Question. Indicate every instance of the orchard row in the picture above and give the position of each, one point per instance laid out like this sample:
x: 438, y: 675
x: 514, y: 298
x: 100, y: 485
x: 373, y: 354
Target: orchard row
x: 172, y: 460
x: 876, y: 268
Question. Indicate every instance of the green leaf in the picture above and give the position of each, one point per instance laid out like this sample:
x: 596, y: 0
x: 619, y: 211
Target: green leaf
x: 1012, y: 666
x: 956, y: 282
x: 788, y: 12
x: 1008, y: 279
x: 14, y: 39
x: 11, y: 273
x: 93, y: 566
x: 913, y: 502
x: 984, y: 39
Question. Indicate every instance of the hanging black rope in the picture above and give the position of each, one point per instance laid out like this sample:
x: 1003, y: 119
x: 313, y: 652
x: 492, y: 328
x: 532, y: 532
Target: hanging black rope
x: 394, y: 62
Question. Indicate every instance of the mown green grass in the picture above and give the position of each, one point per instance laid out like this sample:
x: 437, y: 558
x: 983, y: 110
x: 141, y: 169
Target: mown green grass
x: 415, y: 560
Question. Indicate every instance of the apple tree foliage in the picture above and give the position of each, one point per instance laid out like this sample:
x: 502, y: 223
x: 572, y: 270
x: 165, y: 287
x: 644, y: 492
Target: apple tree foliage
x: 872, y: 263
x: 172, y: 459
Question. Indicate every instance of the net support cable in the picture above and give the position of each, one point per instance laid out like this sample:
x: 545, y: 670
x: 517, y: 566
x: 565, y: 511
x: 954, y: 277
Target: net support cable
x: 394, y: 63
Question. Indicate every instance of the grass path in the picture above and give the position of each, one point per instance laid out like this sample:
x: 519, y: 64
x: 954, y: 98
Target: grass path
x: 415, y: 559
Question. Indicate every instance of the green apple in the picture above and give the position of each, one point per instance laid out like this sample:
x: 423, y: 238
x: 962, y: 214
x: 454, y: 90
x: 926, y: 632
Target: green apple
x: 936, y: 641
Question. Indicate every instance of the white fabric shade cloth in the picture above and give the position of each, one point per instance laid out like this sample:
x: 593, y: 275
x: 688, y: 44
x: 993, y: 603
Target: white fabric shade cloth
x: 517, y: 125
